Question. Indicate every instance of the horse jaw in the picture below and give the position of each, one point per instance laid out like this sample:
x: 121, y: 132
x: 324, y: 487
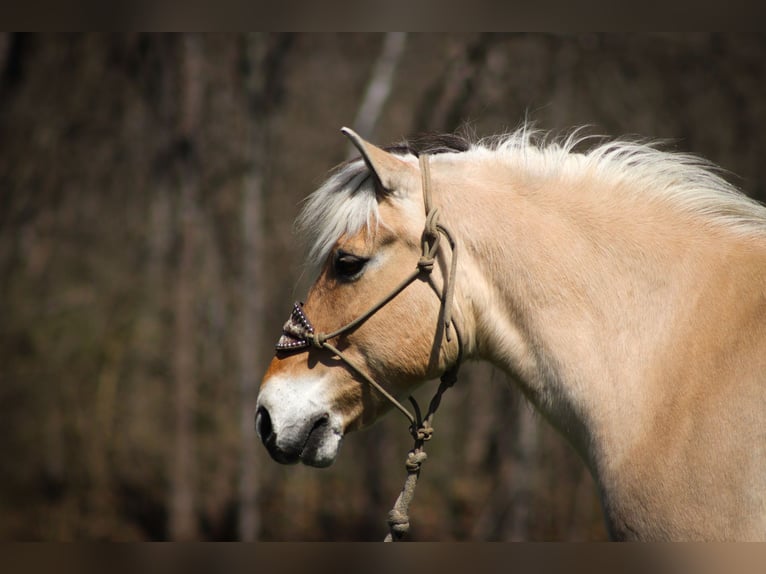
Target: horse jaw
x: 295, y: 420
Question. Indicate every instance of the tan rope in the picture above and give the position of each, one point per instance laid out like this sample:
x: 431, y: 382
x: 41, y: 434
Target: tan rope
x: 398, y: 516
x: 425, y: 179
x: 371, y: 381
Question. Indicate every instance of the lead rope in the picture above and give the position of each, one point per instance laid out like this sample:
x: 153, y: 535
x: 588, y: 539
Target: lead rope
x: 422, y: 430
x: 398, y: 516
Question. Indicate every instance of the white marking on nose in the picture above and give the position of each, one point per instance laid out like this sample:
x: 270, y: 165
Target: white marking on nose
x: 295, y: 402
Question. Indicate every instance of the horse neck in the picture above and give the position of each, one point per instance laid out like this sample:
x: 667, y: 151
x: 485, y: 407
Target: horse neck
x: 573, y: 294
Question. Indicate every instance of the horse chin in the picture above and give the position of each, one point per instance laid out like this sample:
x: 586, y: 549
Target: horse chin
x: 321, y: 448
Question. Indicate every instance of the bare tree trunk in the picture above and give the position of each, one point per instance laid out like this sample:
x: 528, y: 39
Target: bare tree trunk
x: 263, y: 56
x: 183, y: 524
x: 445, y: 103
x: 379, y: 87
x: 249, y: 340
x: 251, y: 304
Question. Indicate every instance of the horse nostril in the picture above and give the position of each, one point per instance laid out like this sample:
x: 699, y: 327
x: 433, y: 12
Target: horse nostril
x: 320, y: 422
x: 263, y: 424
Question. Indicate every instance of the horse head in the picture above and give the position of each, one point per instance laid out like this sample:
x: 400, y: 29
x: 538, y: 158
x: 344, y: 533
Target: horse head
x: 373, y: 324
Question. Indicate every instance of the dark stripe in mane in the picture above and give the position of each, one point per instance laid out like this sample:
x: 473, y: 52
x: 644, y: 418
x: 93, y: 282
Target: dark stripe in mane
x: 431, y: 144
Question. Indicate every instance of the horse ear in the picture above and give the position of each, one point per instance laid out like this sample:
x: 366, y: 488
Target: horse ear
x: 388, y: 171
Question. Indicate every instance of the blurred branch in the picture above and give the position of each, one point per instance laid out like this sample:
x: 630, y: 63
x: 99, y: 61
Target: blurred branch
x: 444, y: 106
x: 379, y: 87
x: 183, y: 525
x: 263, y: 63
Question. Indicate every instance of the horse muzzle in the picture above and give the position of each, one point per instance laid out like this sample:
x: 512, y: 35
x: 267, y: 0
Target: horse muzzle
x: 311, y: 436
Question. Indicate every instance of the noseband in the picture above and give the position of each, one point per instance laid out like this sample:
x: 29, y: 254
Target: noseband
x: 298, y: 335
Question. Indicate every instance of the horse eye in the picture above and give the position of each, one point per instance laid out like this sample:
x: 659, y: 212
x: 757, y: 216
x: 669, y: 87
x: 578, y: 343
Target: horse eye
x: 348, y: 266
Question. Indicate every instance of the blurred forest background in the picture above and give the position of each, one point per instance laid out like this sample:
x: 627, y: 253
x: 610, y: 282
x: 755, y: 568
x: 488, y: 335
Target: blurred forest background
x: 148, y: 185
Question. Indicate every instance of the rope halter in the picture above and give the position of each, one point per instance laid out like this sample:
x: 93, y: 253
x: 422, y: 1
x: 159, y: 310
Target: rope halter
x: 298, y: 335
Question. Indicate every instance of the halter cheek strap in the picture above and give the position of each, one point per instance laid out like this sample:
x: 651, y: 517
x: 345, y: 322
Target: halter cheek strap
x: 298, y: 335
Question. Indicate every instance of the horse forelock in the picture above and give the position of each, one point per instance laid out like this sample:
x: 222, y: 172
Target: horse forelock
x: 345, y: 204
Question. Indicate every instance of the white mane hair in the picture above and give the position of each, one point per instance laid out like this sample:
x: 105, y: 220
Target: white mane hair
x: 346, y: 203
x: 685, y: 181
x: 343, y: 205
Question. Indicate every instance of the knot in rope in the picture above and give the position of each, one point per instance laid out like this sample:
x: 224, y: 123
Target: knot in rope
x: 317, y: 340
x: 431, y: 233
x: 398, y: 522
x: 426, y: 264
x: 431, y: 229
x: 424, y: 432
x: 398, y: 518
x: 415, y: 458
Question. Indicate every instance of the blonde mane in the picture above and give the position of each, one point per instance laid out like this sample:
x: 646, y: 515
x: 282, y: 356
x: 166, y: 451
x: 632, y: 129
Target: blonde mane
x: 687, y: 182
x: 345, y: 203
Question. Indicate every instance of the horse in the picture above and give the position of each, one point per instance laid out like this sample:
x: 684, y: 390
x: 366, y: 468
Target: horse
x: 622, y: 287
